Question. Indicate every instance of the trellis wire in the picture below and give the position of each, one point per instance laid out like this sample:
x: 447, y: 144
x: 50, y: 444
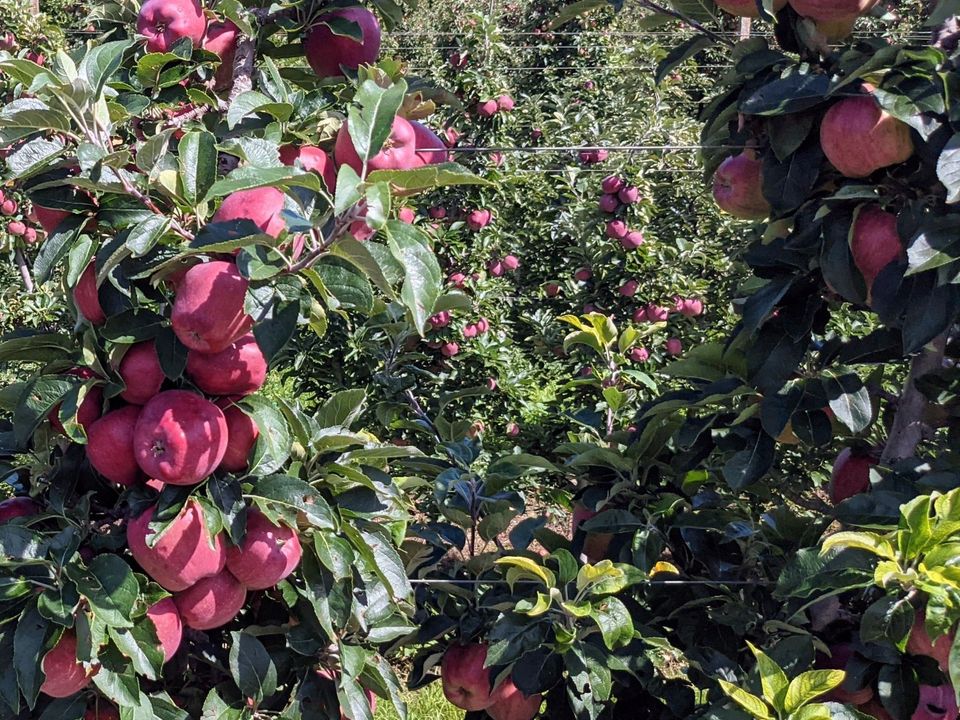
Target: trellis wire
x: 731, y: 583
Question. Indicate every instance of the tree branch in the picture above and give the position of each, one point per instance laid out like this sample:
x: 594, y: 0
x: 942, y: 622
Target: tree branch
x: 657, y: 8
x: 908, y: 427
x: 24, y: 270
x: 243, y: 62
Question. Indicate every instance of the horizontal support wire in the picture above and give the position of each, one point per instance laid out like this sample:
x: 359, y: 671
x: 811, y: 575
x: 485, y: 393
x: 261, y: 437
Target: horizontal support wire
x: 582, y: 148
x: 731, y: 583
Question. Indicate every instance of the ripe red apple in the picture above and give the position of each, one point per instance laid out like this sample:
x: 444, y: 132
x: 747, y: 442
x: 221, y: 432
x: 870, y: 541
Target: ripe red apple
x: 86, y: 296
x: 470, y: 331
x: 936, y: 703
x: 29, y: 236
x: 221, y: 39
x: 505, y: 103
x: 609, y: 204
x: 629, y: 195
x: 513, y: 430
x: 839, y: 658
x: 399, y: 152
x: 920, y: 642
x: 16, y: 228
x: 617, y: 229
x: 859, y: 137
x: 327, y: 52
x: 479, y: 219
x: 511, y: 704
x: 211, y: 602
x: 240, y: 369
x: 184, y: 555
x: 163, y: 22
x: 690, y: 307
x: 747, y: 8
x: 268, y: 554
x: 487, y: 108
x: 632, y: 240
x: 639, y: 354
x: 312, y: 159
x: 141, y: 372
x: 738, y: 187
x: 9, y: 207
x: 64, y: 675
x: 850, y: 476
x: 629, y: 288
x: 612, y: 184
x: 874, y: 242
x: 242, y: 433
x: 262, y: 206
x: 208, y: 312
x: 17, y: 507
x: 551, y: 289
x: 450, y: 349
x: 110, y: 445
x: 673, y: 346
x: 828, y: 10
x: 657, y: 313
x: 169, y: 627
x: 180, y: 437
x: 407, y: 215
x: 583, y: 274
x: 431, y: 150
x: 466, y: 682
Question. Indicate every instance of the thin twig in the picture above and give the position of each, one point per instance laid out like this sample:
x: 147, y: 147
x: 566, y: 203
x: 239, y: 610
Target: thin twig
x: 148, y: 203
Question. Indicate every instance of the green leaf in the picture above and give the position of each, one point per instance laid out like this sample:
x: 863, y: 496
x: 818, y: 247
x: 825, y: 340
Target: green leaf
x: 102, y: 61
x: 772, y: 678
x: 749, y: 702
x: 295, y: 496
x: 614, y: 621
x: 110, y: 587
x: 868, y: 541
x: 273, y: 444
x: 146, y: 234
x: 347, y: 286
x: 249, y: 177
x: 679, y: 54
x: 252, y: 667
x: 422, y: 279
x: 197, y: 156
x: 250, y: 102
x: 370, y: 124
x: 887, y: 621
x: 428, y: 177
x: 809, y: 686
x: 28, y: 641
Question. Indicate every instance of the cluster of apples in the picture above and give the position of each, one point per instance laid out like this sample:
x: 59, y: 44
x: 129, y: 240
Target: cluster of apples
x: 858, y: 138
x: 500, y: 104
x: 17, y: 226
x: 180, y: 436
x: 617, y: 194
x: 468, y: 684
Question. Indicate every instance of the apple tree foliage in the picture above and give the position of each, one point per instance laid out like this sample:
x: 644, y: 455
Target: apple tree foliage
x: 94, y: 133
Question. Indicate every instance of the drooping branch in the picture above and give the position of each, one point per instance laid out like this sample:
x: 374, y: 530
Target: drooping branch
x: 908, y: 427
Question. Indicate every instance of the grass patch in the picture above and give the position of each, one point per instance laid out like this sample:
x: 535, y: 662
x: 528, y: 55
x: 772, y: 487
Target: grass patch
x: 426, y: 704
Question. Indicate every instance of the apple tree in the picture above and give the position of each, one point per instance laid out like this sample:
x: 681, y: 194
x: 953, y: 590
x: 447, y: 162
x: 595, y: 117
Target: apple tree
x: 211, y: 179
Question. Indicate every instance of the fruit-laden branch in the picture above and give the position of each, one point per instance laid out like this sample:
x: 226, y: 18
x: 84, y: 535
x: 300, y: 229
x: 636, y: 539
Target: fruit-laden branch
x: 908, y: 425
x: 663, y: 10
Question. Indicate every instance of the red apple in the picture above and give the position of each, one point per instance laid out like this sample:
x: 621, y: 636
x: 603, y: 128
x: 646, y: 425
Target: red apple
x: 90, y: 409
x: 505, y: 103
x: 211, y: 602
x: 17, y: 507
x: 479, y: 219
x: 262, y: 206
x: 738, y: 187
x: 312, y: 159
x: 859, y: 137
x: 450, y: 349
x: 673, y: 346
x: 875, y: 242
x: 221, y: 39
x: 609, y: 204
x: 511, y: 704
x: 397, y: 153
x: 936, y: 703
x: 242, y: 433
x: 110, y: 445
x: 180, y: 437
x: 850, y: 476
x: 86, y: 296
x: 629, y: 195
x: 184, y: 555
x: 240, y: 369
x: 617, y: 229
x: 632, y: 240
x: 141, y: 372
x: 169, y: 627
x: 466, y: 682
x: 64, y: 675
x: 920, y: 642
x: 208, y: 312
x: 163, y: 22
x: 487, y: 108
x: 431, y: 150
x: 267, y: 555
x: 327, y: 52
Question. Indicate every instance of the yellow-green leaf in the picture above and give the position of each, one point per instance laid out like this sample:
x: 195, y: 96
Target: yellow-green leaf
x: 809, y: 686
x: 749, y: 702
x: 871, y: 542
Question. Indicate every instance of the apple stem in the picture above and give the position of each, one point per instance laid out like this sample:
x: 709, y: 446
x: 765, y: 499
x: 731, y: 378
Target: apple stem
x: 908, y: 427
